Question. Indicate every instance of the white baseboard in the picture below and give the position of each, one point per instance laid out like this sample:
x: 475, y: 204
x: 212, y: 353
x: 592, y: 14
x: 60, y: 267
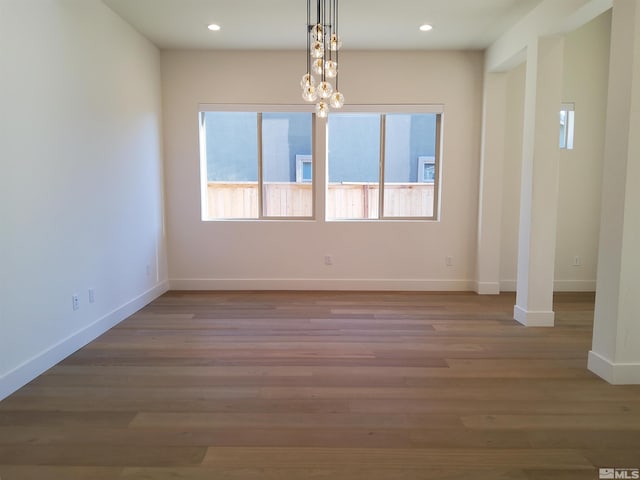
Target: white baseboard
x: 23, y: 374
x: 558, y: 285
x: 320, y: 284
x: 614, y: 373
x: 574, y: 286
x: 530, y: 318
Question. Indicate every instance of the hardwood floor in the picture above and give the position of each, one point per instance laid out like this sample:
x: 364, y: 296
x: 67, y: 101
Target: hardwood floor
x: 325, y: 385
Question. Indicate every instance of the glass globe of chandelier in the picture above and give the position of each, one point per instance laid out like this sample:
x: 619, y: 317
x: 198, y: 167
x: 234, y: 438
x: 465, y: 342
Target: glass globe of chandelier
x: 323, y: 44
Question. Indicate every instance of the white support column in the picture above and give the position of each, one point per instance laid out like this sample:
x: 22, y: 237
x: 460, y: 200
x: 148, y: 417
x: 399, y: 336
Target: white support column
x: 539, y: 192
x: 615, y: 354
x: 491, y: 170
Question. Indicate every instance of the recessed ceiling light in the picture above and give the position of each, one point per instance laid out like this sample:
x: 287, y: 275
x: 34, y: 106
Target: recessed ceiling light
x: 426, y: 27
x: 213, y: 27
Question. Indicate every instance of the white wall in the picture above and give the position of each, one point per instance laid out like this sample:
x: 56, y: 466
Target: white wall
x: 371, y: 255
x: 586, y: 73
x: 80, y: 179
x: 580, y: 175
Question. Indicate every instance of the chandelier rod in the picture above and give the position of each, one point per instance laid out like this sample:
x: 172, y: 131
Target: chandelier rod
x: 335, y: 32
x: 308, y: 37
x: 324, y: 34
x: 323, y: 43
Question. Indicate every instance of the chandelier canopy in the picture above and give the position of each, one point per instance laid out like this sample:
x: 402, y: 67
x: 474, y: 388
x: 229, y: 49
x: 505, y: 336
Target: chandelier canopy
x: 323, y: 44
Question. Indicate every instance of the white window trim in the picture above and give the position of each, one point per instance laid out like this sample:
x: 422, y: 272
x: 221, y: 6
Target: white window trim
x: 253, y: 107
x: 395, y: 108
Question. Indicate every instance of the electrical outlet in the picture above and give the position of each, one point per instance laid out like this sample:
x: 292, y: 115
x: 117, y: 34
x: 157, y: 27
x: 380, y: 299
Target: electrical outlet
x: 92, y: 295
x: 75, y: 299
x: 577, y: 261
x: 328, y: 260
x: 449, y: 261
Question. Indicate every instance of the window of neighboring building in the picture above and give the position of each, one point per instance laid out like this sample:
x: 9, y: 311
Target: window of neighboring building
x: 304, y: 168
x: 249, y: 164
x: 384, y: 165
x: 427, y: 169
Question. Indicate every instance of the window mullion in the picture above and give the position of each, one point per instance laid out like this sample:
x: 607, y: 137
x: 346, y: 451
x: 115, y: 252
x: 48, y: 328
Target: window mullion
x: 204, y: 179
x: 383, y: 123
x: 436, y: 168
x: 260, y: 173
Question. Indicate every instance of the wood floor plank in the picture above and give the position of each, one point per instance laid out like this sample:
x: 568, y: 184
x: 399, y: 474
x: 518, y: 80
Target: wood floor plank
x: 561, y: 475
x: 46, y: 418
x: 98, y: 456
x: 242, y: 436
x: 304, y: 420
x: 49, y: 472
x: 494, y: 406
x: 392, y: 458
x: 324, y: 473
x: 548, y: 422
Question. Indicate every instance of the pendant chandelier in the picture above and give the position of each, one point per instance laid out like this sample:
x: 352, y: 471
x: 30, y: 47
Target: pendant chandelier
x: 323, y: 44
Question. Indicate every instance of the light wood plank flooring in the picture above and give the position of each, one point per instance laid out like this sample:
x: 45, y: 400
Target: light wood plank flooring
x: 325, y: 386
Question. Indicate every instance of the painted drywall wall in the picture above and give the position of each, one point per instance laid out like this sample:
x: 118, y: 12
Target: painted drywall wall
x: 585, y: 83
x: 580, y: 170
x: 372, y: 255
x: 80, y: 176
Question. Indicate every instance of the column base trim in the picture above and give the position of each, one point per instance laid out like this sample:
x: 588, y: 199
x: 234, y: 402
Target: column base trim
x: 487, y: 288
x: 614, y: 373
x: 532, y: 318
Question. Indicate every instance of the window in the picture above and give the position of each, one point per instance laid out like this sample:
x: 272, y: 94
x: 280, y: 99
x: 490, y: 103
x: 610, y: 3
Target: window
x: 256, y: 164
x: 567, y: 118
x: 304, y: 168
x: 426, y: 169
x: 384, y: 165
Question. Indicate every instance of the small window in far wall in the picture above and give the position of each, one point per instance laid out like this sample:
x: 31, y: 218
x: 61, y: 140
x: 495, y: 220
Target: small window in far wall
x: 567, y: 121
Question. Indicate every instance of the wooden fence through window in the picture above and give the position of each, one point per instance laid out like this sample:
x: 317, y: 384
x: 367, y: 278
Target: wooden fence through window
x: 344, y: 200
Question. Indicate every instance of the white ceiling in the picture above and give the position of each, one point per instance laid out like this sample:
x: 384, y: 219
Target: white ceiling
x: 280, y: 24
